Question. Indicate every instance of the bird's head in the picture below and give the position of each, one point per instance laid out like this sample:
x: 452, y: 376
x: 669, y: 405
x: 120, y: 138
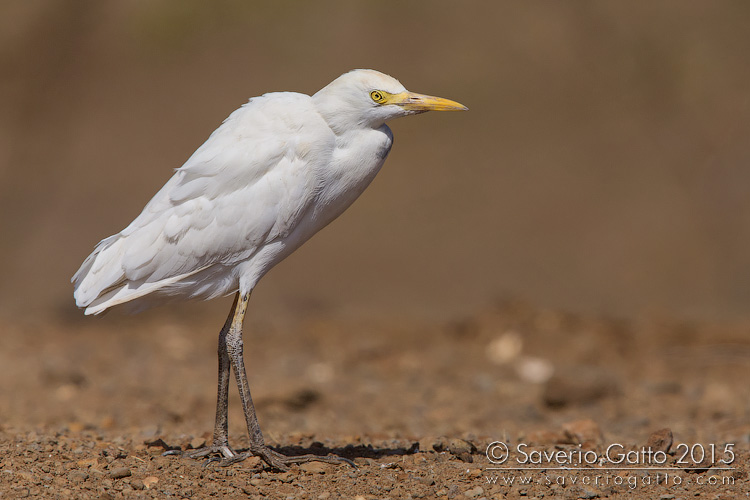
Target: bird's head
x: 368, y: 98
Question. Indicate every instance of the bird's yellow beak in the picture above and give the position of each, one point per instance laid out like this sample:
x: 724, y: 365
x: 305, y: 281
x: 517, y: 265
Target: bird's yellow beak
x: 412, y: 101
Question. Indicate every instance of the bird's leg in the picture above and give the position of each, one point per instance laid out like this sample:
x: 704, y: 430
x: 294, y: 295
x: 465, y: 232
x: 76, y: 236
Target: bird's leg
x: 221, y: 425
x: 220, y: 443
x: 257, y: 444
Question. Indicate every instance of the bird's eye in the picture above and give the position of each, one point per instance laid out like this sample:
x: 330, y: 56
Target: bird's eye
x: 377, y: 96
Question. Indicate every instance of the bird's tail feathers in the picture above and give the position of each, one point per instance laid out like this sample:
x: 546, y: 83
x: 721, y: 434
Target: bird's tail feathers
x: 93, y: 277
x: 127, y: 291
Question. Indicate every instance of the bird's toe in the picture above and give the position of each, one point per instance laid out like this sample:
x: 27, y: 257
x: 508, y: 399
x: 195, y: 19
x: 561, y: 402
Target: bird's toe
x: 213, y: 453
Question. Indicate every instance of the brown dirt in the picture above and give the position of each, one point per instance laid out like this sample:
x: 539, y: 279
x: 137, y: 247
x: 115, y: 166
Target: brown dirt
x: 414, y: 405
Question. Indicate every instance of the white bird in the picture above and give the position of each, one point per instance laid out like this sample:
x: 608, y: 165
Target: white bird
x: 276, y: 171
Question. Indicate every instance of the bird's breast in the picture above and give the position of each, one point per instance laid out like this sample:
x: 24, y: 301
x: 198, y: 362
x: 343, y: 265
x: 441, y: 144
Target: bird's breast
x: 354, y: 163
x: 332, y: 185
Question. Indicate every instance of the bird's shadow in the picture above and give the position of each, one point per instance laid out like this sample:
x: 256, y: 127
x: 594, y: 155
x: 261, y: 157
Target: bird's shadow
x: 349, y: 451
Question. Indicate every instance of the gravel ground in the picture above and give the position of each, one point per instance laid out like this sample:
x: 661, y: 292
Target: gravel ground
x: 89, y: 406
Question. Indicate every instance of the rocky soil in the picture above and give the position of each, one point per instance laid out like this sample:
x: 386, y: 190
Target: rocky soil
x: 90, y: 405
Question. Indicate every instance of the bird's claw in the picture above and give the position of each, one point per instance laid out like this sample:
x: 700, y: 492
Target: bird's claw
x: 206, y: 451
x: 282, y: 462
x: 209, y: 460
x: 226, y: 456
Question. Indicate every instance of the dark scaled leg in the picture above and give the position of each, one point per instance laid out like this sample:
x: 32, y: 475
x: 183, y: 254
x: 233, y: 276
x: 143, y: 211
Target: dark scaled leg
x: 231, y: 355
x: 257, y: 444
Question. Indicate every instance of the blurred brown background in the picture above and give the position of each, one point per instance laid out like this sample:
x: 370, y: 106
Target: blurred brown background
x: 603, y: 166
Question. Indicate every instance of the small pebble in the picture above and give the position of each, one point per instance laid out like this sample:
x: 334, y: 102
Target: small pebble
x: 90, y: 462
x: 459, y: 448
x: 579, y: 386
x: 475, y: 473
x: 150, y: 481
x: 428, y: 481
x: 198, y: 442
x: 588, y: 494
x: 315, y: 467
x: 534, y: 370
x: 474, y: 492
x: 286, y: 477
x: 453, y: 445
x: 77, y: 476
x: 660, y: 440
x: 119, y: 473
x: 584, y: 431
x: 504, y: 348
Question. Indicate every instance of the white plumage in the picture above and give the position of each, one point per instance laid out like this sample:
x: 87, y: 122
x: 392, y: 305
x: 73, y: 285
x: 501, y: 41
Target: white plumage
x: 274, y: 173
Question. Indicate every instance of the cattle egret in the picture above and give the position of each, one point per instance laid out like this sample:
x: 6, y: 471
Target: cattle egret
x: 276, y: 171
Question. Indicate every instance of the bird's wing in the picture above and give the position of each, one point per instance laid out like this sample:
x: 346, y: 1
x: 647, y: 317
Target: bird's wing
x: 248, y: 185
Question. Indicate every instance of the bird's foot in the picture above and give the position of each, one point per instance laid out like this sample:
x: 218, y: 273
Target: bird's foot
x: 226, y: 456
x: 282, y: 462
x: 223, y: 450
